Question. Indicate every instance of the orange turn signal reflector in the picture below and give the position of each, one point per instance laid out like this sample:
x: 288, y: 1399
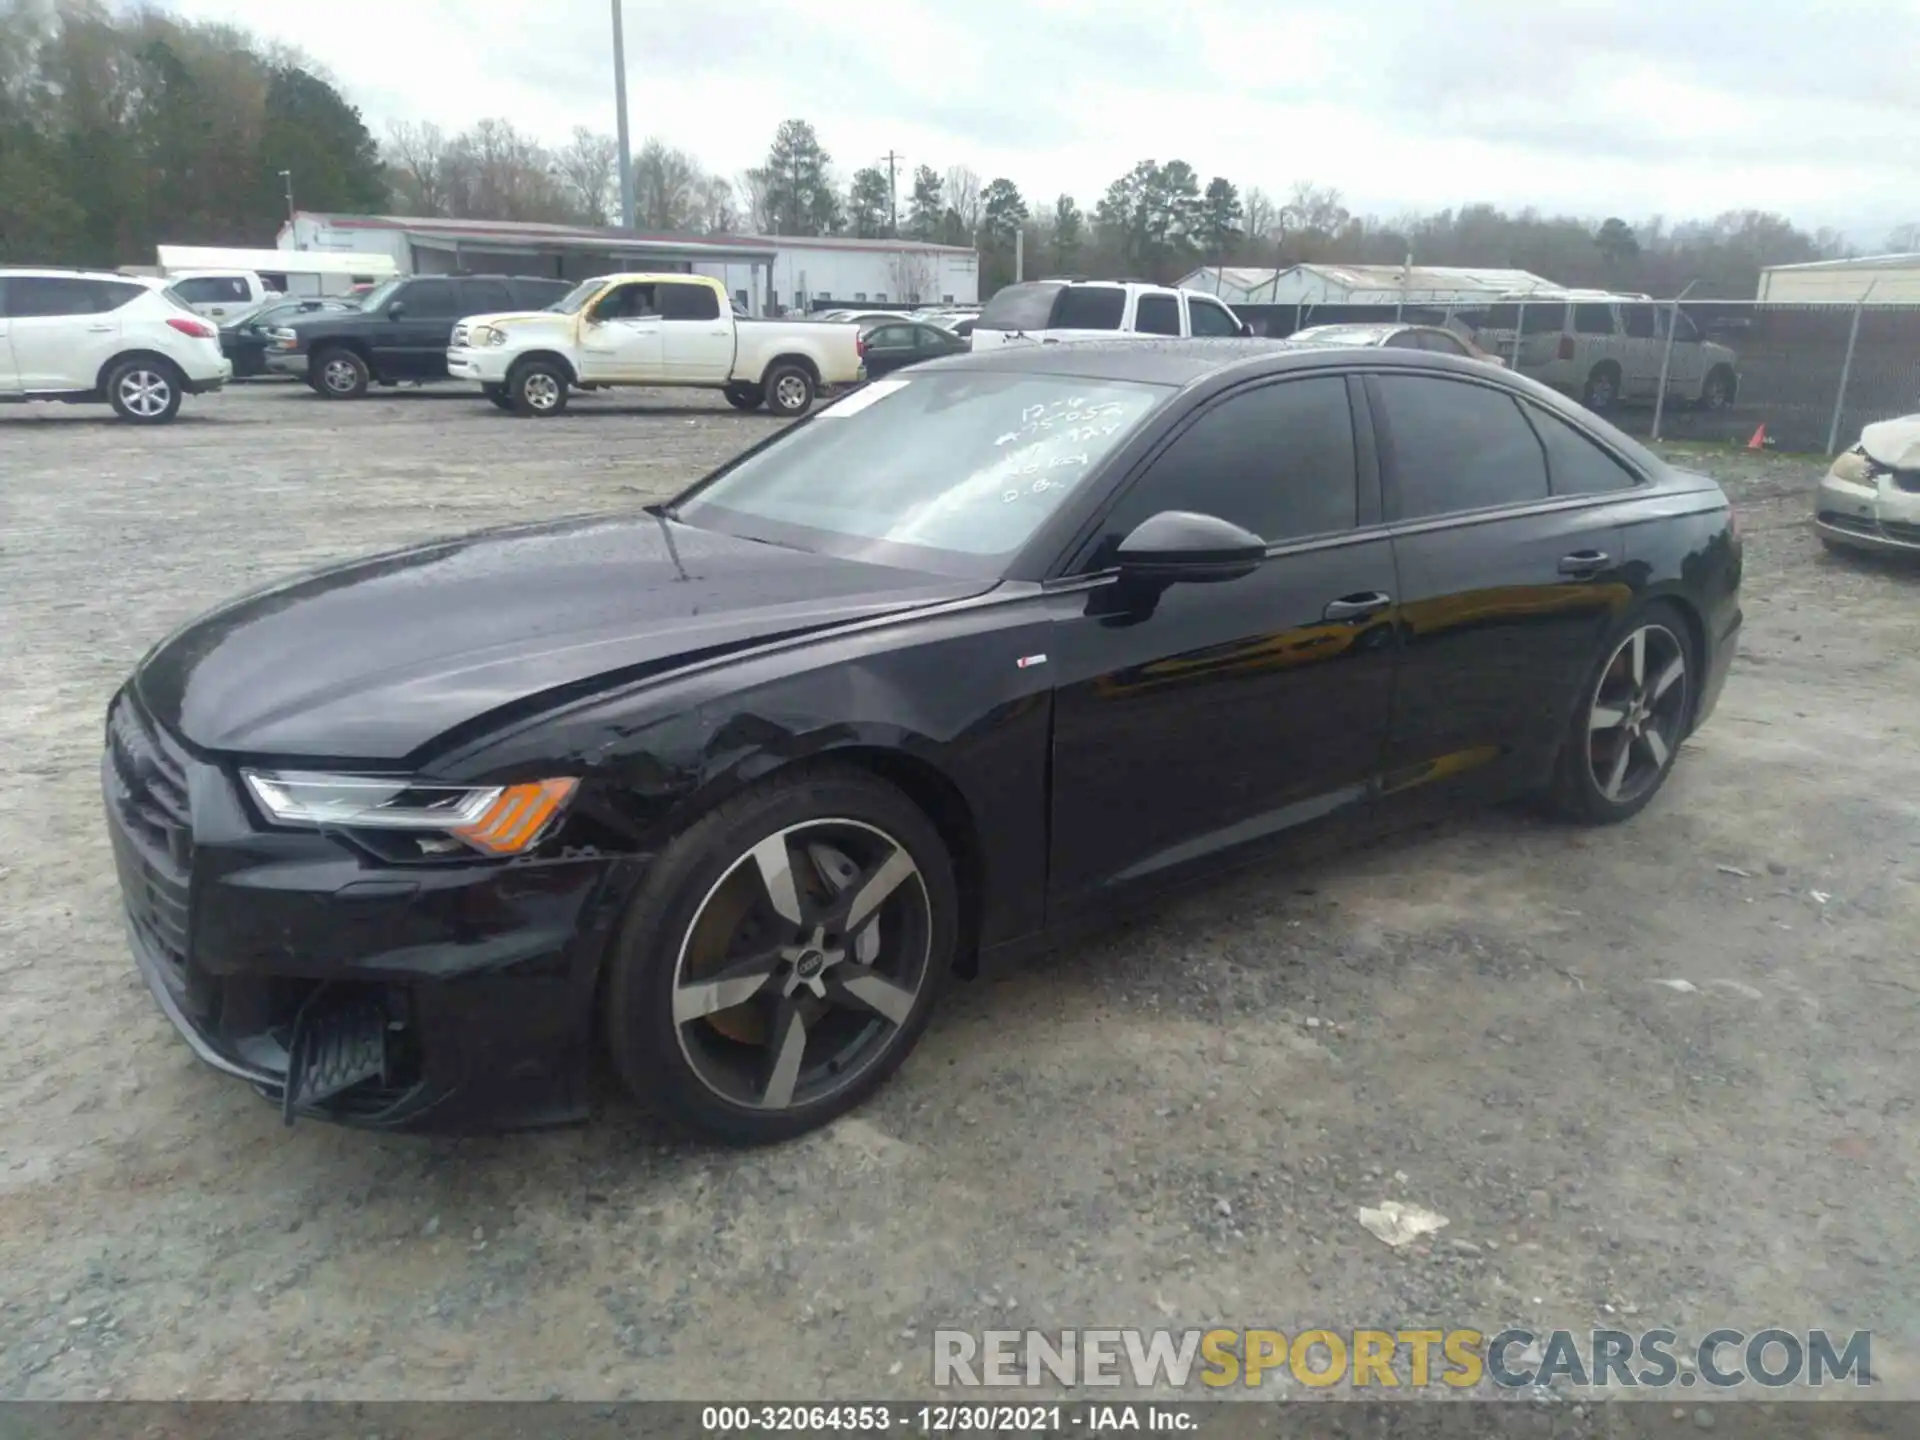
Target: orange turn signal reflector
x: 515, y: 820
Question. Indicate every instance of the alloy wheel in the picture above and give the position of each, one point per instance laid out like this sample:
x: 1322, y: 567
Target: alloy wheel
x: 540, y: 390
x: 1638, y: 714
x: 802, y: 964
x: 146, y: 393
x: 791, y: 392
x: 340, y: 376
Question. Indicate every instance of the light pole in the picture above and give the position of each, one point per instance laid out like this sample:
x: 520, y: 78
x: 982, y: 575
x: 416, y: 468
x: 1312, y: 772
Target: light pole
x: 620, y: 117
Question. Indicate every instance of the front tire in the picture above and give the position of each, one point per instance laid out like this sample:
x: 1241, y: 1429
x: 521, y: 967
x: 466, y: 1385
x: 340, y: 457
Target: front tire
x: 1634, y: 712
x: 790, y: 391
x: 783, y: 957
x: 1717, y: 391
x: 497, y: 396
x: 537, y: 388
x: 745, y: 397
x: 340, y: 374
x: 145, y: 391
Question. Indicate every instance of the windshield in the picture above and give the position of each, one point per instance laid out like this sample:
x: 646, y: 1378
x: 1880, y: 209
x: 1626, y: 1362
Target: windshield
x: 570, y: 303
x: 950, y: 472
x: 376, y: 298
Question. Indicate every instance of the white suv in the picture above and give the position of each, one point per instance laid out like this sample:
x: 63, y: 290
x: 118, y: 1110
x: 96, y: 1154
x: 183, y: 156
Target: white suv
x: 79, y: 336
x: 1045, y: 310
x: 1606, y: 349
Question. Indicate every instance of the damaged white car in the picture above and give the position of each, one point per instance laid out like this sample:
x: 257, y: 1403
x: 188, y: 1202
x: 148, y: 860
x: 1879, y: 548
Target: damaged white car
x: 1870, y: 498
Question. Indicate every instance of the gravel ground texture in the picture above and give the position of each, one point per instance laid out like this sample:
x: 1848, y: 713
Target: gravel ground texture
x: 1174, y: 1124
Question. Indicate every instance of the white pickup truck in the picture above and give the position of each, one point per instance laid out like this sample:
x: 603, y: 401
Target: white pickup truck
x: 676, y: 330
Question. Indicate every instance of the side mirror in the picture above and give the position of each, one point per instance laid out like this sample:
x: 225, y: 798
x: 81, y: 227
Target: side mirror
x: 397, y: 309
x: 1180, y: 546
x: 1246, y: 329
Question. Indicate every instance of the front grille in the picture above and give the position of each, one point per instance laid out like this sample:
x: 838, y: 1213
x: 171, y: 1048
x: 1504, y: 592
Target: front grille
x: 146, y: 783
x: 1901, y: 530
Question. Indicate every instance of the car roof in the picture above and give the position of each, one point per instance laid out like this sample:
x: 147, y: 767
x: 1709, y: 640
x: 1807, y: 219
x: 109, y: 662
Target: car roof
x: 28, y: 272
x: 1154, y: 362
x: 1380, y: 328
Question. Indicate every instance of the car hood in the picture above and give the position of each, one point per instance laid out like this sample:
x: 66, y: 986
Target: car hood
x: 375, y: 659
x: 522, y: 317
x: 1894, y: 443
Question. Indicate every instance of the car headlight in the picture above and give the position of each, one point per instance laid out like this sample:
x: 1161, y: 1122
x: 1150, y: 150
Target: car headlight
x: 493, y: 336
x: 492, y: 819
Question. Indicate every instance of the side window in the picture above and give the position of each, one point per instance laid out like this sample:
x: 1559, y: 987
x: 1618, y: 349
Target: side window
x: 1210, y: 319
x: 1405, y: 340
x: 429, y: 299
x: 1637, y: 321
x: 1457, y: 446
x: 484, y: 297
x: 1575, y: 465
x: 890, y: 337
x: 688, y: 302
x: 1683, y: 328
x: 1088, y: 307
x: 1157, y: 315
x: 628, y: 302
x: 199, y: 290
x: 1593, y: 319
x: 1441, y: 342
x: 112, y: 294
x: 233, y: 288
x: 925, y: 337
x: 47, y: 295
x: 1277, y: 460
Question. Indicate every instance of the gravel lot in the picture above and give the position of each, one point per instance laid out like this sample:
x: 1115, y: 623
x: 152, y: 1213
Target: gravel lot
x: 1172, y: 1125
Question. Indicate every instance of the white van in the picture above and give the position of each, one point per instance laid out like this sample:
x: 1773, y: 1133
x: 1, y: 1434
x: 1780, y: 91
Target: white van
x: 1043, y: 310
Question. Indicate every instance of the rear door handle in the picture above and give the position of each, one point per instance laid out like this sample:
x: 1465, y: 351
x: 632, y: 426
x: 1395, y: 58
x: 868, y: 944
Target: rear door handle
x: 1354, y: 607
x: 1582, y: 562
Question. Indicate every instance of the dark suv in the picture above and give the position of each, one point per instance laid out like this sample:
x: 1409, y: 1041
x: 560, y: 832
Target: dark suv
x: 399, y: 332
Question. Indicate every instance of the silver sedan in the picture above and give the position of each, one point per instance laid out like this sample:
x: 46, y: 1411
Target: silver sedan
x: 1870, y: 498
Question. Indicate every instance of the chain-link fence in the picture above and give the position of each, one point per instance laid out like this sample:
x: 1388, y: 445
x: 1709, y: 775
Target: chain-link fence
x: 1715, y: 370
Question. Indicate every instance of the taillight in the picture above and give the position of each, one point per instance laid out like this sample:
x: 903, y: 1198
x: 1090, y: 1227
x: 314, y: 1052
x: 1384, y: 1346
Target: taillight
x: 859, y: 347
x: 191, y: 327
x: 1566, y: 347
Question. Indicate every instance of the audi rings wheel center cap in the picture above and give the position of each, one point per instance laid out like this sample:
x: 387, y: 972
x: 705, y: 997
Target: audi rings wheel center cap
x: 809, y: 964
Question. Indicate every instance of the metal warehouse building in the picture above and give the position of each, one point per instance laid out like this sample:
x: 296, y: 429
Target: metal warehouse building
x: 1325, y: 284
x: 767, y: 274
x: 1873, y: 279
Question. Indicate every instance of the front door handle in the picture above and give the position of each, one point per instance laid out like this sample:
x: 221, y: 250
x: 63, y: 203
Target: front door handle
x: 1355, y: 607
x: 100, y: 329
x: 1583, y: 562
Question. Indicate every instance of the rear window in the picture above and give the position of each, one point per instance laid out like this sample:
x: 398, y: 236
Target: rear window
x: 1093, y: 307
x: 1020, y: 307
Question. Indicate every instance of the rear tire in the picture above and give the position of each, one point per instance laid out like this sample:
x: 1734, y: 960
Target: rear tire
x: 537, y: 388
x: 145, y: 391
x: 1717, y: 390
x: 745, y: 397
x: 1602, y: 390
x: 1634, y: 712
x: 708, y: 914
x: 339, y: 374
x: 790, y: 390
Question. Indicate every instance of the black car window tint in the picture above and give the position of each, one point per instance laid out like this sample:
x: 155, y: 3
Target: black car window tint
x: 429, y: 299
x: 688, y: 302
x: 1157, y: 315
x: 1458, y: 446
x: 1575, y: 464
x: 1208, y: 318
x: 1277, y: 460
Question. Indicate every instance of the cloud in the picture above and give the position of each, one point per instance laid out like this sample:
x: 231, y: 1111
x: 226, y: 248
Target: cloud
x: 1580, y: 107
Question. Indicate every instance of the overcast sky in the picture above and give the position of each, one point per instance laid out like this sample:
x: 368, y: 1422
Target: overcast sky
x: 1684, y: 108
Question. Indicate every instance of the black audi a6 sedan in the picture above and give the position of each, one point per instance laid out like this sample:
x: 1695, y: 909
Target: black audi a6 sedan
x: 733, y: 785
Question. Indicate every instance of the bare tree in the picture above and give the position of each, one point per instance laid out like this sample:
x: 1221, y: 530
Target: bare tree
x: 964, y: 196
x: 717, y: 215
x: 417, y: 157
x: 496, y: 173
x: 751, y: 188
x: 667, y: 187
x: 589, y: 167
x: 1262, y: 220
x: 912, y: 276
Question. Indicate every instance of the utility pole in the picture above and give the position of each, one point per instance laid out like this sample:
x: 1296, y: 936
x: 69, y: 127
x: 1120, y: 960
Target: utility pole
x: 893, y: 196
x: 287, y: 176
x: 620, y: 108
